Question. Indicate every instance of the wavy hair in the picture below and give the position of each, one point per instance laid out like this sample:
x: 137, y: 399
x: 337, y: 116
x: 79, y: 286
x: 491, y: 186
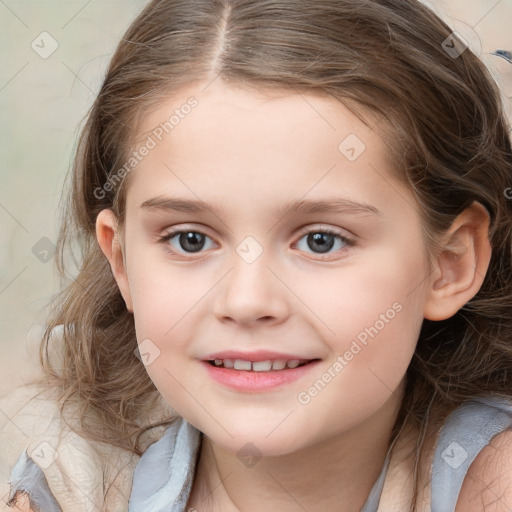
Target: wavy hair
x: 446, y: 128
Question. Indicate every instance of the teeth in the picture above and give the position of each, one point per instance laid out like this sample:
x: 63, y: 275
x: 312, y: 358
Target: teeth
x: 278, y: 364
x: 242, y: 365
x: 261, y: 366
x: 258, y: 366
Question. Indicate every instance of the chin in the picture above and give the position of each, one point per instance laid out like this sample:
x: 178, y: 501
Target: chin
x: 255, y: 440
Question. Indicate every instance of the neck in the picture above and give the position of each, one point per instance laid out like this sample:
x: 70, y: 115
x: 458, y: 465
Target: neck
x: 308, y: 479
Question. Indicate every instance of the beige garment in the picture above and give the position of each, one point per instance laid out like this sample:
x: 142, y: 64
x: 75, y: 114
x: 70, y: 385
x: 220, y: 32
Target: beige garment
x: 82, y: 475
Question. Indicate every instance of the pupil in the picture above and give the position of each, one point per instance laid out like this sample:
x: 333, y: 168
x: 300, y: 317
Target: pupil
x: 188, y: 239
x: 317, y: 238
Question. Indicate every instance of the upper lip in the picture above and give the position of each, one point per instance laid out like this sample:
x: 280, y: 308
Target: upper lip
x: 259, y: 355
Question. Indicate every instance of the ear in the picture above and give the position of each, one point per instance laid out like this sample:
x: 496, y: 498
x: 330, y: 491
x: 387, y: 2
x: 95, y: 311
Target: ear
x: 108, y: 240
x: 461, y: 265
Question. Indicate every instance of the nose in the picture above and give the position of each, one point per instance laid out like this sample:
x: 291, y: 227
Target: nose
x: 252, y: 293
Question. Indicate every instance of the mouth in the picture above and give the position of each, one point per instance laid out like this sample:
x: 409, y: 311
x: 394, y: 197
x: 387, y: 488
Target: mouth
x: 257, y: 376
x: 260, y: 366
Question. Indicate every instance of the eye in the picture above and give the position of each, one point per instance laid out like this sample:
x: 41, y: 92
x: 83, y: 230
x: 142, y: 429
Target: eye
x: 321, y: 241
x: 190, y: 241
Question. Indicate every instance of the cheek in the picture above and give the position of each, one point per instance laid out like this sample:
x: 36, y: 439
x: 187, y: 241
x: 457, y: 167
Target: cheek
x: 378, y: 290
x: 166, y: 301
x: 163, y: 292
x: 371, y: 319
x: 164, y: 310
x: 376, y: 331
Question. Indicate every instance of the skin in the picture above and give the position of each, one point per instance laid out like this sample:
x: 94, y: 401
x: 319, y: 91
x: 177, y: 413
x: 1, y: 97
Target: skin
x: 250, y: 154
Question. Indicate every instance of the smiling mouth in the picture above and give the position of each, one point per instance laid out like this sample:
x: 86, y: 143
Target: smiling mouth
x: 260, y: 366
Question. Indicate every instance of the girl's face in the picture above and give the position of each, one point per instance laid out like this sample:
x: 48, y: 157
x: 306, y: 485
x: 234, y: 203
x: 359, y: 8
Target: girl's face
x: 340, y: 278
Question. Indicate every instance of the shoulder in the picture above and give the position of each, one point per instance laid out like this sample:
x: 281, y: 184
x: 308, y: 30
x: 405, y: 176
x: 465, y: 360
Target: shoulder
x: 25, y: 414
x: 35, y: 438
x: 488, y: 482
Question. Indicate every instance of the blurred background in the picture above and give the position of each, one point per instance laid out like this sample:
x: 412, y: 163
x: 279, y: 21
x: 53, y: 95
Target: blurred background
x: 54, y: 54
x: 53, y: 59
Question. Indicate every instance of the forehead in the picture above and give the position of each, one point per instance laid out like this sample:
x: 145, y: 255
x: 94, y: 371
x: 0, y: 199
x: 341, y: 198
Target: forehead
x: 220, y: 137
x: 239, y: 106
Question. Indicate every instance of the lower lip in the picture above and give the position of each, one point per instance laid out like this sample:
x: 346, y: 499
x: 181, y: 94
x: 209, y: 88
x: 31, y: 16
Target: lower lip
x: 251, y: 381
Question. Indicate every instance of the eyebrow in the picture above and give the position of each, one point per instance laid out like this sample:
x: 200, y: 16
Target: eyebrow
x: 328, y: 205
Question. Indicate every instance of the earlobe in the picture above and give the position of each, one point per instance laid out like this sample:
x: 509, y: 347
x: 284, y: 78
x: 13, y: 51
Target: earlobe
x: 461, y: 265
x: 108, y: 240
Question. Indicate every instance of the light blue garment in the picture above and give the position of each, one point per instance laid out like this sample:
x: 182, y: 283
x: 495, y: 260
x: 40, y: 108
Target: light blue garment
x: 27, y: 476
x: 163, y: 477
x: 467, y: 430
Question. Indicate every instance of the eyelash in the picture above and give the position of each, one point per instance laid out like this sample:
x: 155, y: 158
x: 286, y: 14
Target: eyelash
x: 349, y: 243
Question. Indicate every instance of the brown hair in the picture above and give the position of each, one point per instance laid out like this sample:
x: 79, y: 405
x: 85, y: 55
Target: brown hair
x: 447, y: 133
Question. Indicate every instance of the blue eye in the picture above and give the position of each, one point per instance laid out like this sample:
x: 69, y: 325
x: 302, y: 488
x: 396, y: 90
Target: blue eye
x: 319, y: 241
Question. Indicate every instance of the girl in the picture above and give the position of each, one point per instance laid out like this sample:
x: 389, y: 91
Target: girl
x: 340, y: 338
